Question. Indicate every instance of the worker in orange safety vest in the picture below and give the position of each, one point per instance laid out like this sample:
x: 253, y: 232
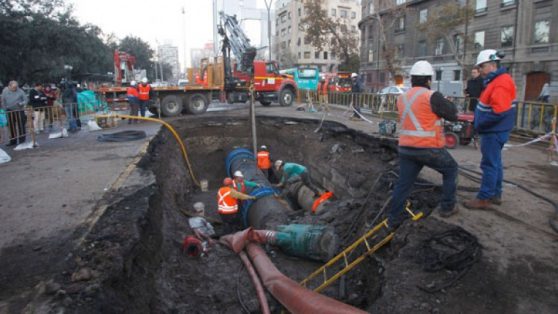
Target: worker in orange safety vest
x: 144, y: 90
x: 133, y: 100
x: 227, y: 205
x: 422, y: 143
x: 264, y: 161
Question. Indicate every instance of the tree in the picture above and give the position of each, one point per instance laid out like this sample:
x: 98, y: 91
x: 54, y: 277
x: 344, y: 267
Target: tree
x: 323, y: 31
x: 138, y: 48
x: 286, y: 59
x: 447, y: 22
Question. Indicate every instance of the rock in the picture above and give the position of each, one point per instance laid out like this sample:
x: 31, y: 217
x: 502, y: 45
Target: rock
x: 37, y: 248
x: 79, y: 261
x: 83, y: 274
x: 52, y: 287
x: 67, y: 301
x: 91, y: 290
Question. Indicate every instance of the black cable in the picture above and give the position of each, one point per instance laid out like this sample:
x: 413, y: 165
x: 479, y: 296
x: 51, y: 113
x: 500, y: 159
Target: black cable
x: 238, y: 296
x: 122, y: 136
x: 454, y: 250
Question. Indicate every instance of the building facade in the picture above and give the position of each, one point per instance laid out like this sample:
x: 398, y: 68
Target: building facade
x: 289, y: 45
x: 526, y: 31
x: 167, y: 53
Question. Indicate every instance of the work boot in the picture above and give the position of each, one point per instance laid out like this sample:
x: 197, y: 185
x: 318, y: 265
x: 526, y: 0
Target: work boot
x: 496, y: 200
x: 478, y: 204
x: 447, y: 213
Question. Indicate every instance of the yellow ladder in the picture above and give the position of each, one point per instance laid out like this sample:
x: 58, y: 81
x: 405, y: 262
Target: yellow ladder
x: 344, y: 256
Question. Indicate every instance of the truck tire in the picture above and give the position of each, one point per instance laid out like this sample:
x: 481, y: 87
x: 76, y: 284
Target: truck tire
x: 171, y: 106
x: 197, y: 104
x: 286, y: 97
x: 265, y: 103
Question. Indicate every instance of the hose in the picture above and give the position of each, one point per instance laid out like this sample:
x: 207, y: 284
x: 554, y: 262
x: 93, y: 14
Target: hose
x: 170, y: 128
x: 264, y: 306
x: 122, y: 136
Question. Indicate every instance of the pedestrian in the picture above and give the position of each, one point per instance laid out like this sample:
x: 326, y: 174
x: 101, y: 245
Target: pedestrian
x: 227, y: 205
x: 264, y: 162
x: 323, y: 87
x: 422, y: 141
x: 14, y: 100
x: 39, y: 101
x: 474, y: 89
x: 291, y: 172
x: 544, y: 96
x: 69, y: 99
x: 494, y: 120
x: 202, y: 229
x: 356, y: 89
x: 132, y: 94
x: 50, y: 93
x: 144, y: 90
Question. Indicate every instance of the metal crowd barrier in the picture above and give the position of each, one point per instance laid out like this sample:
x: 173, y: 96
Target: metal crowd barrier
x: 532, y: 117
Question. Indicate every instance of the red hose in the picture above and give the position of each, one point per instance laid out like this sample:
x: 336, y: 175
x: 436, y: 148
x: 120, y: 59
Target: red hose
x: 295, y: 298
x: 257, y: 284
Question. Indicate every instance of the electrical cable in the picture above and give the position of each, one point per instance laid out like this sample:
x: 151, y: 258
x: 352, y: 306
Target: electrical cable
x: 122, y: 136
x: 454, y: 250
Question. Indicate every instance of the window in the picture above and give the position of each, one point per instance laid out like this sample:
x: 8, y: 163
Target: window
x: 479, y: 40
x: 506, y: 36
x: 371, y: 8
x: 283, y: 45
x: 299, y: 11
x: 422, y: 48
x: 332, y: 55
x: 299, y: 54
x: 458, y: 42
x: 283, y: 32
x: 423, y: 15
x: 439, y: 47
x: 343, y: 13
x: 506, y: 3
x: 305, y: 40
x: 480, y: 6
x: 400, y: 52
x: 370, y: 55
x: 398, y: 2
x: 298, y: 42
x: 353, y: 15
x: 325, y: 55
x: 283, y: 18
x: 307, y: 55
x: 289, y: 30
x: 353, y: 28
x: 542, y: 30
x: 316, y: 55
x: 438, y: 75
x: 343, y: 28
x: 400, y: 26
x: 289, y: 43
x: 456, y: 75
x: 333, y: 12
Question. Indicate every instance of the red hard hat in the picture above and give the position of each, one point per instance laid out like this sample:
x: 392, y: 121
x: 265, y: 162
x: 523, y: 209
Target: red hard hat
x: 227, y: 181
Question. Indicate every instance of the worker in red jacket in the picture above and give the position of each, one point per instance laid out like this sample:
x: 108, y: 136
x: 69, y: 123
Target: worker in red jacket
x: 133, y: 99
x: 145, y: 91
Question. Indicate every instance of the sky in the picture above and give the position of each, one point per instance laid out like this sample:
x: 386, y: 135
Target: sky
x: 153, y: 21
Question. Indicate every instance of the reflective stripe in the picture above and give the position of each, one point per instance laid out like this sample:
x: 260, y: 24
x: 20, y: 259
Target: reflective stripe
x: 418, y: 133
x: 408, y: 111
x: 225, y: 208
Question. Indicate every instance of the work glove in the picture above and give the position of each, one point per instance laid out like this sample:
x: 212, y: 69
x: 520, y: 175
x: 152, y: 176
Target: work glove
x: 253, y: 198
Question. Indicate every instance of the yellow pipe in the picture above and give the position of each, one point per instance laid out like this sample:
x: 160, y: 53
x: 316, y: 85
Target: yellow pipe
x: 170, y: 128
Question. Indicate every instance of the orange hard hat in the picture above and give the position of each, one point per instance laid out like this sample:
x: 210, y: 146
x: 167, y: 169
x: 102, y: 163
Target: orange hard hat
x: 227, y: 181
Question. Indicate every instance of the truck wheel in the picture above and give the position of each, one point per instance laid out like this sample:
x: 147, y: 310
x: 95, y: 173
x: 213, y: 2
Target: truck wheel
x: 171, y: 106
x: 197, y: 104
x: 286, y: 97
x: 265, y: 103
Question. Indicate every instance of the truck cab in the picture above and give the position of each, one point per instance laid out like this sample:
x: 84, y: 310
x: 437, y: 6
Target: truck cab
x: 271, y: 86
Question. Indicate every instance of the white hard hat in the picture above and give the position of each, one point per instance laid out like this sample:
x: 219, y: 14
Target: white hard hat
x: 133, y: 83
x: 487, y: 55
x: 199, y: 207
x: 238, y: 173
x: 144, y: 80
x: 278, y: 163
x: 354, y: 75
x: 263, y: 147
x: 422, y: 68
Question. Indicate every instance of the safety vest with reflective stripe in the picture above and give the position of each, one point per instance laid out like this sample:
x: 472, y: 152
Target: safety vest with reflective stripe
x: 264, y: 162
x: 419, y: 126
x: 132, y: 92
x: 144, y: 91
x: 227, y: 205
x: 239, y: 186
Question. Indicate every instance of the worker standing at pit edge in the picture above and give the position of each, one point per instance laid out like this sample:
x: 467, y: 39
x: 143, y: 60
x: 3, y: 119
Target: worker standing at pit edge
x: 422, y: 143
x: 227, y: 205
x: 494, y: 120
x: 133, y: 99
x: 144, y: 90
